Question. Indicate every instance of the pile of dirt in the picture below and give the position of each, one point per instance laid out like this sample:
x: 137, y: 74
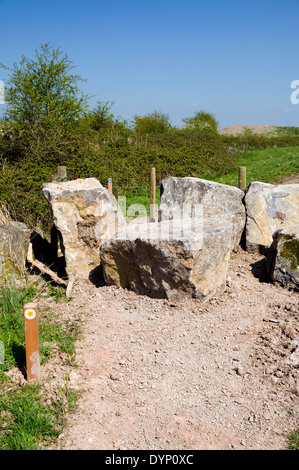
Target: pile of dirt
x: 239, y: 129
x: 155, y: 375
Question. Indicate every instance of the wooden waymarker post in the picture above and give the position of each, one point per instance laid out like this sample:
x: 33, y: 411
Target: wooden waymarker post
x: 61, y: 173
x: 153, y: 195
x: 110, y: 184
x: 32, y: 343
x: 242, y: 178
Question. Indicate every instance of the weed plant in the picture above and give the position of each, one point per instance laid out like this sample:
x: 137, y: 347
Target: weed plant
x: 293, y: 441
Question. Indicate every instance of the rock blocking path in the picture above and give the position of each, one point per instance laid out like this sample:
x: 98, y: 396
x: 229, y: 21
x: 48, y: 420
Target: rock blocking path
x: 176, y: 259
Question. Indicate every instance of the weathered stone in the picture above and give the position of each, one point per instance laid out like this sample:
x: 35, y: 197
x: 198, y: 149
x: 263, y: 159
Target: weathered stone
x: 202, y: 198
x: 282, y: 258
x: 14, y: 242
x: 170, y: 259
x: 85, y: 213
x: 269, y: 208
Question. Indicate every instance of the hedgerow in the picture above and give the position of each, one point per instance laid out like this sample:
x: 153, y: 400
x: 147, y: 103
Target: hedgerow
x: 29, y: 159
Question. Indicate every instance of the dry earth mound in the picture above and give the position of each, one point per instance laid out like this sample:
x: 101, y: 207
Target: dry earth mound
x: 240, y: 129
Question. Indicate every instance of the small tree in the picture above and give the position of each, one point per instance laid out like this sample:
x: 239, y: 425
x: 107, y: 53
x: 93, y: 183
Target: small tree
x: 42, y: 89
x: 45, y: 105
x: 100, y: 118
x: 153, y: 123
x: 201, y: 121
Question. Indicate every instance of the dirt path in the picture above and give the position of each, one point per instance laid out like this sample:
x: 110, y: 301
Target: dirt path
x: 197, y: 375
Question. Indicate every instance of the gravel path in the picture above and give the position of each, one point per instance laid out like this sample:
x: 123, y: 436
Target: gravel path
x: 219, y: 374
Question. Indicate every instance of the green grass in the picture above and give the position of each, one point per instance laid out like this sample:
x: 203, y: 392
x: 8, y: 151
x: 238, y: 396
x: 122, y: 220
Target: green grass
x: 12, y: 333
x: 138, y: 201
x: 28, y: 420
x: 31, y: 418
x: 56, y: 335
x: 267, y: 165
x: 293, y: 441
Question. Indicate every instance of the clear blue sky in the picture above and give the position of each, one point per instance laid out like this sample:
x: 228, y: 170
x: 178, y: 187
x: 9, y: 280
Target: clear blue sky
x: 235, y: 59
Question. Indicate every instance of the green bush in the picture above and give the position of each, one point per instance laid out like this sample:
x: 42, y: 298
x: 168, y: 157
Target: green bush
x: 173, y: 153
x: 29, y: 159
x: 251, y: 141
x: 12, y: 333
x: 201, y: 121
x: 153, y: 123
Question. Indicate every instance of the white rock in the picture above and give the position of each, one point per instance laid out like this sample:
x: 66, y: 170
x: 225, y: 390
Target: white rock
x: 85, y: 213
x: 166, y: 260
x: 269, y: 208
x: 195, y: 197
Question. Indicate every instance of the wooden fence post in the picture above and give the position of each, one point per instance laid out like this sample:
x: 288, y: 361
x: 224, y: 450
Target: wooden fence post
x: 242, y: 178
x: 32, y: 343
x: 110, y: 184
x: 61, y: 173
x: 2, y: 353
x: 153, y: 195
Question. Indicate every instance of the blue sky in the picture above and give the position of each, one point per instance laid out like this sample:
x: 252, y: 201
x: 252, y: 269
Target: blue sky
x: 235, y: 59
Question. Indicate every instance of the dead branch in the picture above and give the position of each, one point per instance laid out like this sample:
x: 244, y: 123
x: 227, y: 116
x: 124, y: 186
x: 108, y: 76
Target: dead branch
x: 44, y: 269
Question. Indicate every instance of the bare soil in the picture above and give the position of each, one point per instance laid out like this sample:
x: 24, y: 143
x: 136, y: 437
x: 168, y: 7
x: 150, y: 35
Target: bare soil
x: 218, y: 374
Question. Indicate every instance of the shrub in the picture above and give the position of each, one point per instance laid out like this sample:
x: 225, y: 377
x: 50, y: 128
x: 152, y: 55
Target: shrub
x: 154, y: 123
x: 201, y: 122
x: 251, y: 141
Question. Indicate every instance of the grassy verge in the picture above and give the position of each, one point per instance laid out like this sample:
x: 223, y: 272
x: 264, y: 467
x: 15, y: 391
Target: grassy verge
x: 31, y: 418
x: 291, y: 130
x: 33, y: 415
x: 266, y: 165
x: 137, y: 202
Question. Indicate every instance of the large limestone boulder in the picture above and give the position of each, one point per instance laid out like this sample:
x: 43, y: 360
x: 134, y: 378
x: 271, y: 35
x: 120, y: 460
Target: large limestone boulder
x: 269, y: 208
x: 85, y: 214
x: 282, y: 257
x: 14, y: 243
x: 170, y: 259
x: 195, y: 197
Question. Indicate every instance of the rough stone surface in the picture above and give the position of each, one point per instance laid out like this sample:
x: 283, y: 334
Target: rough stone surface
x: 168, y: 260
x: 14, y: 242
x: 269, y: 208
x: 217, y: 200
x: 85, y: 213
x: 283, y: 256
